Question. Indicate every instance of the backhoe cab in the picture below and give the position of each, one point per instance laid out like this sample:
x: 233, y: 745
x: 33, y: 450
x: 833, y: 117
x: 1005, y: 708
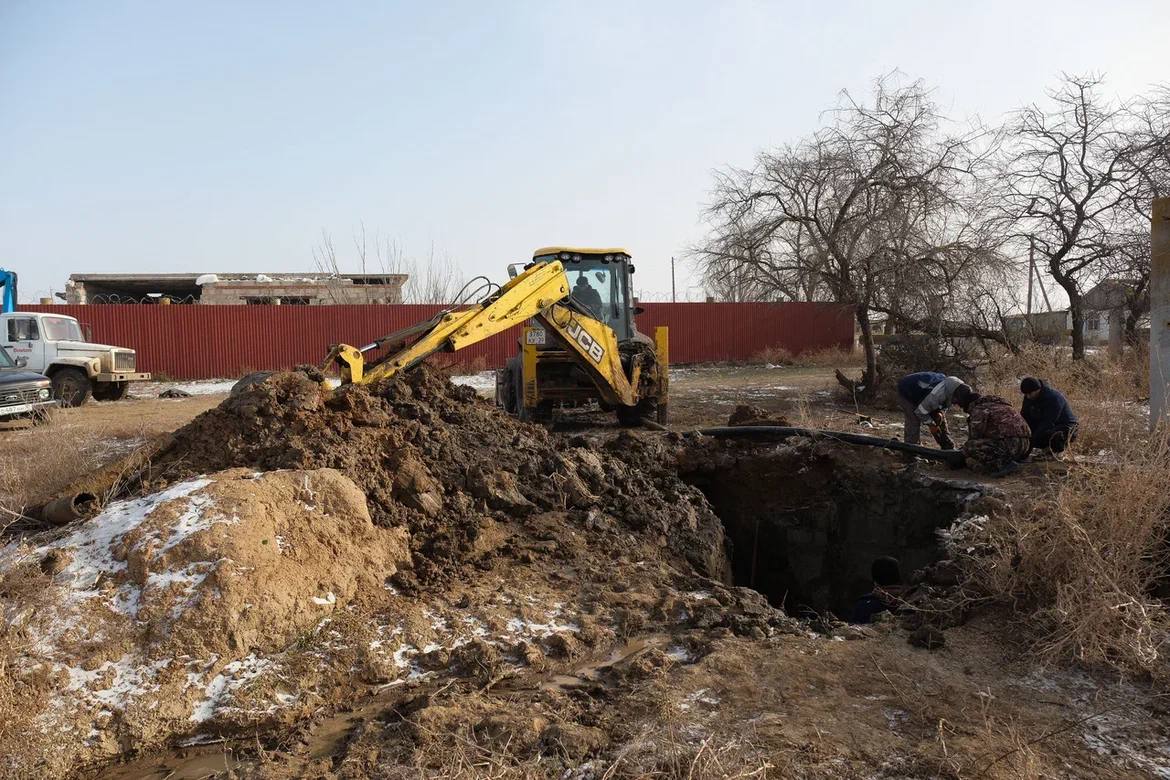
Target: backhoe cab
x: 549, y: 372
x: 579, y: 342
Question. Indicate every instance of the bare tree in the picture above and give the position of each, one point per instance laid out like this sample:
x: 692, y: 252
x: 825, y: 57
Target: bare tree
x: 862, y: 212
x: 1078, y: 179
x: 439, y: 281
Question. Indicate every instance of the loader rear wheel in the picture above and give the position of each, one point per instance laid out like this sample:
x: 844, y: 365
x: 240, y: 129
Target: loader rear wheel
x: 518, y: 408
x: 71, y: 386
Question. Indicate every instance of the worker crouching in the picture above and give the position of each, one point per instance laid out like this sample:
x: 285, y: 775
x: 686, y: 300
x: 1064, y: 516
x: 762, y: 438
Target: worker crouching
x: 1049, y: 416
x: 999, y: 437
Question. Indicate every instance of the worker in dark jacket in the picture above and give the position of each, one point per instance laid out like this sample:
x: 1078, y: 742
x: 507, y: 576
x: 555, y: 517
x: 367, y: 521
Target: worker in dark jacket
x: 886, y: 593
x: 998, y: 436
x: 1049, y: 416
x: 924, y: 398
x: 584, y: 294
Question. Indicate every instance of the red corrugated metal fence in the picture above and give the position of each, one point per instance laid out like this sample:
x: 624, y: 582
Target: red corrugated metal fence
x: 200, y: 342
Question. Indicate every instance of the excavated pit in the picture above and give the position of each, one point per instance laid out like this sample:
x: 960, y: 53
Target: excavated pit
x: 804, y: 523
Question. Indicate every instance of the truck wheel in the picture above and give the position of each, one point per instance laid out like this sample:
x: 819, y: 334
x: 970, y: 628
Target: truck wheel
x: 71, y: 386
x: 110, y: 391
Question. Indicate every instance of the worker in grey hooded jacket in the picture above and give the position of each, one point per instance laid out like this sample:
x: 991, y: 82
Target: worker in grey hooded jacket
x: 924, y: 398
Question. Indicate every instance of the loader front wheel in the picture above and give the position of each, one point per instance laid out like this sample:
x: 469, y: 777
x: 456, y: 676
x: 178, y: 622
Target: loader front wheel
x: 633, y: 415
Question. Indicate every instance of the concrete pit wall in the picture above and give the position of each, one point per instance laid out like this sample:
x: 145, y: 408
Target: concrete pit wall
x: 805, y: 524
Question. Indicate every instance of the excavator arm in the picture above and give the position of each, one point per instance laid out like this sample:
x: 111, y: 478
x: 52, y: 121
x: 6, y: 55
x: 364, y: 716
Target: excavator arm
x: 540, y: 292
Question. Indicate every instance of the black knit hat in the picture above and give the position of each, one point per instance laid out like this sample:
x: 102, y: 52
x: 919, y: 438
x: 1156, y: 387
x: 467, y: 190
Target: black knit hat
x: 963, y: 395
x: 1029, y: 384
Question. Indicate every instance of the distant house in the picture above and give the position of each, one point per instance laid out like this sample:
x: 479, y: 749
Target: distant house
x: 1105, y: 303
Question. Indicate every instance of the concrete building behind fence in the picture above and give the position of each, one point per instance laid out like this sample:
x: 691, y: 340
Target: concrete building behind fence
x: 271, y: 289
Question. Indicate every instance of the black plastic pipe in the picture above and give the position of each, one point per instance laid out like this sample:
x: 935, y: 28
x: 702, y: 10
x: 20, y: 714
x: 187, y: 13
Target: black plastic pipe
x: 950, y: 457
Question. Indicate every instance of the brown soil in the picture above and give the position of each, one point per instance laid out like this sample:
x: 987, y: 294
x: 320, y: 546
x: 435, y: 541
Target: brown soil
x: 445, y: 591
x: 435, y: 459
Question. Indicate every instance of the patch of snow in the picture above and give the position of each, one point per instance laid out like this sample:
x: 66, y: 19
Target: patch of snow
x: 91, y: 544
x: 402, y: 654
x: 196, y: 517
x: 198, y: 387
x: 201, y: 739
x: 483, y: 383
x: 221, y: 687
x: 1115, y: 722
x: 129, y: 677
x: 701, y: 696
x: 328, y: 600
x: 962, y: 532
x: 542, y: 630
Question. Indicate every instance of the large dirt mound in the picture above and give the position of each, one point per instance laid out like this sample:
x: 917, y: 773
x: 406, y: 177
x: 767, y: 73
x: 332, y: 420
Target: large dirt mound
x: 143, y: 622
x: 435, y: 459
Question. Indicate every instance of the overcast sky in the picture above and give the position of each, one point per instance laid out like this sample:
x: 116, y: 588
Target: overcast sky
x: 224, y: 136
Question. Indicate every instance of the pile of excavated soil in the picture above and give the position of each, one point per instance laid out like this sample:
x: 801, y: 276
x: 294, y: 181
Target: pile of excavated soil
x: 433, y: 458
x: 297, y: 548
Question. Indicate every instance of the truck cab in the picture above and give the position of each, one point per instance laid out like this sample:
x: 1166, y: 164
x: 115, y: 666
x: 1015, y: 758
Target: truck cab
x: 54, y: 345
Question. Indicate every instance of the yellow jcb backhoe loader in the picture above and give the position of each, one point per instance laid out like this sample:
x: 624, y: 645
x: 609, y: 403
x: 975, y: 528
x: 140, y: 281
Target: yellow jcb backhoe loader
x: 582, y: 345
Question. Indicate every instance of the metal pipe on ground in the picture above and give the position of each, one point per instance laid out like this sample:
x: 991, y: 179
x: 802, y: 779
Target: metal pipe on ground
x: 67, y: 508
x: 950, y: 457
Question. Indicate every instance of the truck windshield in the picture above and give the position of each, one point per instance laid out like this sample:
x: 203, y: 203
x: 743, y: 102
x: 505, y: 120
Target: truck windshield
x: 5, y: 360
x: 61, y: 329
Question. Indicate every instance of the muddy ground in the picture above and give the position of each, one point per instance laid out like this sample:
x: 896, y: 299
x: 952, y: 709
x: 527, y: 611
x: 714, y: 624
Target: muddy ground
x: 584, y: 604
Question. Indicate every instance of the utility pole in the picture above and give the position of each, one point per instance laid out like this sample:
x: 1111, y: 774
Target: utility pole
x: 1159, y: 311
x: 1031, y: 273
x: 673, y: 299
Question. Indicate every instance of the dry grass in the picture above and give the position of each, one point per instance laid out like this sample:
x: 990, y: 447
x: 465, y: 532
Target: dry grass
x: 834, y: 357
x: 664, y: 753
x: 40, y: 462
x: 26, y: 750
x: 1088, y: 563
